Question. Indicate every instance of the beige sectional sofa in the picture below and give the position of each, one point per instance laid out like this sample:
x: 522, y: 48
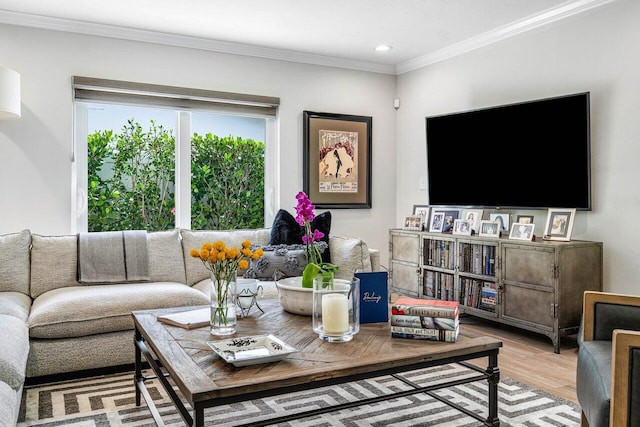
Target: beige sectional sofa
x: 51, y: 324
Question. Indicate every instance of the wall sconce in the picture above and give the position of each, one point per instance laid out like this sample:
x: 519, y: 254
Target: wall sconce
x: 9, y: 94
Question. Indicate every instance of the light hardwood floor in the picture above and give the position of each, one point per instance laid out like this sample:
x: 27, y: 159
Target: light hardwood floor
x: 528, y: 357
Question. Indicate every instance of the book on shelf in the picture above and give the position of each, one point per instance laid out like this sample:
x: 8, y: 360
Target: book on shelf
x: 424, y: 322
x: 489, y: 296
x: 424, y: 334
x: 190, y: 319
x: 426, y: 307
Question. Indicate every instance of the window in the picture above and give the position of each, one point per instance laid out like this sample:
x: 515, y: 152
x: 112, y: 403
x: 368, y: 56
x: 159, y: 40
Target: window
x: 156, y: 157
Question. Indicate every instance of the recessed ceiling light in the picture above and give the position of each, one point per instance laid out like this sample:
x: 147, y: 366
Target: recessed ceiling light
x: 383, y: 48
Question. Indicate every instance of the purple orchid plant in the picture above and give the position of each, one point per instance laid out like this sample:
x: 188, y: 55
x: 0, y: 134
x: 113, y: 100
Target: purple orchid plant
x: 312, y: 239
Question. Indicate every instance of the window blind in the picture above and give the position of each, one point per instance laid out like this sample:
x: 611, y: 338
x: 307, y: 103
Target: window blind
x: 121, y: 92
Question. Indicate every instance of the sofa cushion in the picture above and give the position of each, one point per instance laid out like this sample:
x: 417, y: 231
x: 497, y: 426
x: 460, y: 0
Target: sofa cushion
x: 14, y: 268
x: 14, y: 350
x: 85, y: 310
x: 195, y: 238
x: 8, y: 405
x: 54, y: 262
x: 287, y: 231
x: 52, y: 357
x: 278, y: 262
x: 166, y: 261
x: 593, y: 381
x: 15, y: 304
x: 350, y: 254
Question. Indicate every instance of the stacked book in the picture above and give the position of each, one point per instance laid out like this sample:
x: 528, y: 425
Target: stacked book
x: 425, y: 319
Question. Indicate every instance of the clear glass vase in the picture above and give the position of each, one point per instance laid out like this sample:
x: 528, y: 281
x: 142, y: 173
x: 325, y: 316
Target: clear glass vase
x: 336, y: 309
x: 223, y: 308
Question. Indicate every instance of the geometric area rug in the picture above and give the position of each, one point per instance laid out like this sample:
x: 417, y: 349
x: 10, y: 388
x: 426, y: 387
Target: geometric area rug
x: 109, y: 400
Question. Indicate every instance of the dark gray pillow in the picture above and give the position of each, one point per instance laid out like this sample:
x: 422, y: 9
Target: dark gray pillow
x: 278, y: 262
x: 286, y: 231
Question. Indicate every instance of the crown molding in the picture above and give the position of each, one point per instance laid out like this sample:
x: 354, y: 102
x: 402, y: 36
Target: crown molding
x: 535, y: 21
x: 71, y: 26
x: 501, y: 33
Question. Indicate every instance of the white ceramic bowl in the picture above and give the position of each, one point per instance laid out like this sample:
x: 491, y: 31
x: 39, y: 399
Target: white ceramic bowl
x: 293, y: 297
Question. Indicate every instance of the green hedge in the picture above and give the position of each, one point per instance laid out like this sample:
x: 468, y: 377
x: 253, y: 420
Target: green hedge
x: 131, y: 180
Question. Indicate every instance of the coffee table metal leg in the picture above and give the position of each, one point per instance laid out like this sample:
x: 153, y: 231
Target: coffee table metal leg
x: 141, y: 388
x: 494, y: 378
x: 138, y: 365
x: 198, y: 415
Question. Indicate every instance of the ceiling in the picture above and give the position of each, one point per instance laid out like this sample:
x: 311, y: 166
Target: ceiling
x: 340, y: 33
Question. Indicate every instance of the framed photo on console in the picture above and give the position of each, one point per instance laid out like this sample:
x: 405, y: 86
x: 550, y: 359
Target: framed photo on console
x: 489, y: 229
x: 337, y: 160
x: 521, y: 231
x: 413, y: 222
x: 437, y: 222
x: 450, y: 215
x: 462, y: 227
x: 559, y: 224
x: 503, y: 219
x: 524, y: 219
x: 423, y: 211
x: 473, y: 215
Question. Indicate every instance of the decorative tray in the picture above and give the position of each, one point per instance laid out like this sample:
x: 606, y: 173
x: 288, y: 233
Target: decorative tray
x: 246, y: 351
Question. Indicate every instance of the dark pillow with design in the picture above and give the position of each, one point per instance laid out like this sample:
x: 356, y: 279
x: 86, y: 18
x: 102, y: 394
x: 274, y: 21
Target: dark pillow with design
x: 286, y: 231
x: 278, y: 262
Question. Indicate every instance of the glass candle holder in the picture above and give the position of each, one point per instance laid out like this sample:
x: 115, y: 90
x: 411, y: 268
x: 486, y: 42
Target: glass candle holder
x: 246, y: 294
x: 336, y: 309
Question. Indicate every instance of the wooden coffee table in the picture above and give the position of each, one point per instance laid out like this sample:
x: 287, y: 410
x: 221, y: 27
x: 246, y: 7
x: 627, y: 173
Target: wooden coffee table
x: 205, y: 380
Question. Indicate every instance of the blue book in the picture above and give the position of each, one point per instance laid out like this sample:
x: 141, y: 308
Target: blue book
x: 374, y: 296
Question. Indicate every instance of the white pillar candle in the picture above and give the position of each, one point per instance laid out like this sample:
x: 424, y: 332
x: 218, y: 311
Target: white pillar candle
x: 335, y: 313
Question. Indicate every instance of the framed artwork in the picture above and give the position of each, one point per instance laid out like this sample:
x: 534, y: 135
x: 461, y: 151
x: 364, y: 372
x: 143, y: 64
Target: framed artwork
x: 422, y: 210
x: 521, y: 231
x: 502, y: 218
x: 413, y: 222
x: 473, y: 215
x: 559, y: 224
x: 437, y: 222
x: 337, y: 160
x: 462, y: 227
x: 489, y: 228
x: 524, y: 219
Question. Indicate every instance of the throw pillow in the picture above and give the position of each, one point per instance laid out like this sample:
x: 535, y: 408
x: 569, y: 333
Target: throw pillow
x: 286, y: 231
x: 278, y: 262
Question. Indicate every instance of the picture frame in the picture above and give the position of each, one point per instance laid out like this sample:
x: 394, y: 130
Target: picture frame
x: 489, y: 228
x: 437, y: 222
x: 337, y: 160
x: 473, y: 215
x: 522, y: 231
x: 450, y: 215
x: 503, y: 218
x: 462, y: 227
x: 424, y: 211
x: 559, y: 225
x: 413, y: 222
x: 524, y: 219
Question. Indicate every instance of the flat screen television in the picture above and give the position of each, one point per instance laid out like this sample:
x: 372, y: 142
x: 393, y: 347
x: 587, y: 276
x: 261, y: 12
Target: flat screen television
x: 529, y: 155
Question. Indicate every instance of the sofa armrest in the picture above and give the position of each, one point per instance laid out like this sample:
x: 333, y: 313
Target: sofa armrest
x: 604, y: 311
x: 625, y: 373
x: 374, y: 255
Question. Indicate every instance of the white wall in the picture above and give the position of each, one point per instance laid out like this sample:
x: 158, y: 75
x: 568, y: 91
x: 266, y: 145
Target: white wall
x: 35, y: 151
x: 596, y: 51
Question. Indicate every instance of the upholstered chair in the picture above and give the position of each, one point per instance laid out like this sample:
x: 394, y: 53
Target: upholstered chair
x: 608, y: 371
